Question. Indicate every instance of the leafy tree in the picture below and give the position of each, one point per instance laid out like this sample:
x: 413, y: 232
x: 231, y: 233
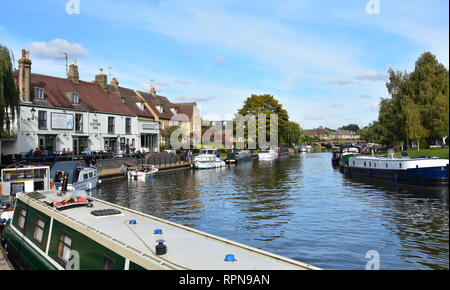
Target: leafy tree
x: 350, y: 127
x: 9, y: 93
x: 267, y: 105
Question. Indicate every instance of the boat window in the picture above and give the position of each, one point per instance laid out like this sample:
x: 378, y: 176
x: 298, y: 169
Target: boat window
x: 202, y: 152
x: 364, y: 163
x: 211, y: 152
x: 400, y: 165
x: 374, y: 164
x: 64, y: 246
x: 108, y: 263
x: 16, y: 175
x: 39, y: 229
x: 353, y: 162
x: 85, y: 176
x: 386, y: 165
x: 370, y: 164
x: 22, y: 216
x: 90, y: 175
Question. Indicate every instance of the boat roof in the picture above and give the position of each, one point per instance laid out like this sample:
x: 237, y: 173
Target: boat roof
x: 187, y: 248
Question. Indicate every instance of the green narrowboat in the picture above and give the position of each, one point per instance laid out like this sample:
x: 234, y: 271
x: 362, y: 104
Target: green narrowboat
x: 72, y: 230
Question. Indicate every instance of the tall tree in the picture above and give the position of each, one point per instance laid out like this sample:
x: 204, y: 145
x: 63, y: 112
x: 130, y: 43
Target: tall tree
x: 266, y: 105
x: 9, y: 93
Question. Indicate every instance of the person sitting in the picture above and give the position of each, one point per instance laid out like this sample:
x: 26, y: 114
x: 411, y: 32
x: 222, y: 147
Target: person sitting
x: 63, y: 153
x: 37, y: 152
x: 30, y: 153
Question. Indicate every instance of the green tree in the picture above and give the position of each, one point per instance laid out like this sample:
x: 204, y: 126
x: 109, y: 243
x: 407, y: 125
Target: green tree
x: 413, y: 122
x: 9, y: 93
x: 266, y: 105
x: 350, y: 127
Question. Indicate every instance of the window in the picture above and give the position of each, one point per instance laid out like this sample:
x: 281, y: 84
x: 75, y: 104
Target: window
x: 160, y: 108
x: 108, y: 263
x: 39, y: 93
x: 75, y: 98
x: 400, y: 165
x: 78, y: 122
x: 364, y: 163
x: 64, y: 246
x: 128, y: 126
x: 90, y: 175
x: 110, y: 125
x: 42, y: 120
x: 85, y: 176
x: 386, y: 165
x: 39, y: 229
x: 22, y: 216
x: 374, y: 165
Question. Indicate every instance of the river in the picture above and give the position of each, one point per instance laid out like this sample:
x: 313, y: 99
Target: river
x: 302, y: 208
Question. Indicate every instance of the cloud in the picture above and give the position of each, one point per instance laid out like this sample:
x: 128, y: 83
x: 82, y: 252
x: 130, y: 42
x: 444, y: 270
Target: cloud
x: 191, y: 52
x: 365, y: 96
x: 182, y: 82
x: 159, y: 86
x: 197, y: 98
x: 56, y: 49
x: 342, y: 81
x: 372, y: 76
x: 220, y: 59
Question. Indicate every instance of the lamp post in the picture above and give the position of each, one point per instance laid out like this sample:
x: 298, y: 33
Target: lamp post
x: 33, y: 111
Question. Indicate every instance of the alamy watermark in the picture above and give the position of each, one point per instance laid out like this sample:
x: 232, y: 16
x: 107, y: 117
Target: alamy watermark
x: 73, y: 7
x: 373, y: 7
x: 374, y: 260
x: 262, y: 132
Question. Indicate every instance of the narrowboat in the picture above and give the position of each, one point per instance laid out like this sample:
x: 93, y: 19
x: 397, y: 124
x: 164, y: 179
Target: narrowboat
x: 283, y: 152
x: 207, y: 159
x: 79, y: 178
x: 424, y: 171
x: 21, y: 179
x: 236, y: 155
x: 72, y: 230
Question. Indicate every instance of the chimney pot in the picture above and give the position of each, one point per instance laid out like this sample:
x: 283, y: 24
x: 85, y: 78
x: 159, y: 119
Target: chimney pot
x: 23, y: 53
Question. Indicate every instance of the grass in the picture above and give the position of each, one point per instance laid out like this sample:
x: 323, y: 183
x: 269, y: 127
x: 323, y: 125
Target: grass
x: 441, y: 153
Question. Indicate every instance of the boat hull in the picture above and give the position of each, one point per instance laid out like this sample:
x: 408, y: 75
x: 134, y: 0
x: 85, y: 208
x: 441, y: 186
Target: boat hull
x: 429, y: 176
x: 209, y: 164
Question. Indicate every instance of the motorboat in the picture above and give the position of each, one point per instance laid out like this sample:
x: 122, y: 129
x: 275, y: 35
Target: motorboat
x: 207, y: 159
x: 142, y: 172
x: 268, y: 155
x: 78, y: 177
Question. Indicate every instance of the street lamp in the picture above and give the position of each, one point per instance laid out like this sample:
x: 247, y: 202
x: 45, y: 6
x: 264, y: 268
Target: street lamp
x: 33, y: 111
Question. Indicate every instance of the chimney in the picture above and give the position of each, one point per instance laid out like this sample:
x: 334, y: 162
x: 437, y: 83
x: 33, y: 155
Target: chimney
x: 25, y: 76
x: 115, y: 83
x: 102, y: 80
x: 153, y: 91
x: 73, y: 72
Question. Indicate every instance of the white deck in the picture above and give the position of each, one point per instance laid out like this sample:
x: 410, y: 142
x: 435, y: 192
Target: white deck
x: 186, y: 248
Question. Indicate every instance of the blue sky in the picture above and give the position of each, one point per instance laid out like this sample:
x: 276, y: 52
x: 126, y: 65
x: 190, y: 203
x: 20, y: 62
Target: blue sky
x: 325, y: 61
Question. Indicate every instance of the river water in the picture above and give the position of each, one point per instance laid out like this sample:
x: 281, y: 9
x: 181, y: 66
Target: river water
x: 302, y: 208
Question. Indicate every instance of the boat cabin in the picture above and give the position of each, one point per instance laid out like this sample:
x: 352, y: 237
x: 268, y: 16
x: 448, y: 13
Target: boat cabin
x: 24, y: 179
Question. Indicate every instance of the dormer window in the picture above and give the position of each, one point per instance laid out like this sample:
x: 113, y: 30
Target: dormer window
x: 39, y: 93
x: 173, y: 110
x: 75, y: 98
x: 141, y: 105
x: 160, y: 108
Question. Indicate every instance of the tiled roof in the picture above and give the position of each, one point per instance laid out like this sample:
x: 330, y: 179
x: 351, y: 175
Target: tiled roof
x: 154, y: 101
x: 129, y: 98
x: 92, y: 96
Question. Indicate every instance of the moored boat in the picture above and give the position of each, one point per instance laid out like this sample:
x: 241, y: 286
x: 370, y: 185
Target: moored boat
x: 207, y: 159
x: 78, y: 177
x: 236, y: 155
x: 142, y: 172
x: 425, y: 171
x: 88, y: 233
x: 268, y: 155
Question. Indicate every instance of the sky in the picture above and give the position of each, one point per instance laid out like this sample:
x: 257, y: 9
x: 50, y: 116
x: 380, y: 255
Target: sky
x: 326, y: 62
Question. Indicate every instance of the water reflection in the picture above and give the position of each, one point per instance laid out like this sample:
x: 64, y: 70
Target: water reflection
x: 301, y: 208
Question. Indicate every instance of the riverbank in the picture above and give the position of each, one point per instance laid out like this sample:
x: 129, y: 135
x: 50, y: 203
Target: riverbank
x: 114, y: 173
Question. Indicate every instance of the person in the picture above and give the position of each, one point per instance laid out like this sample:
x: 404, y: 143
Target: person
x: 127, y: 148
x: 123, y: 168
x: 30, y: 153
x: 87, y: 151
x: 63, y: 153
x: 45, y: 153
x: 37, y: 152
x: 93, y: 162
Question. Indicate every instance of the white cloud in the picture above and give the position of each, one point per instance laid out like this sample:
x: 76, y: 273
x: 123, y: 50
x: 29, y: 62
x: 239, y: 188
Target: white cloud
x: 342, y: 81
x: 197, y: 98
x: 372, y: 76
x: 159, y: 86
x: 220, y: 59
x: 56, y: 49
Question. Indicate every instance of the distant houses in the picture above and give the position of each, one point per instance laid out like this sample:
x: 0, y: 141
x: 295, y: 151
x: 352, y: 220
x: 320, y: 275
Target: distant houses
x: 71, y: 114
x: 330, y: 135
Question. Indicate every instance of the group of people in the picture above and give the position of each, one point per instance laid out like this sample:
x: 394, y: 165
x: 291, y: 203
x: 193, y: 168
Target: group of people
x: 46, y: 153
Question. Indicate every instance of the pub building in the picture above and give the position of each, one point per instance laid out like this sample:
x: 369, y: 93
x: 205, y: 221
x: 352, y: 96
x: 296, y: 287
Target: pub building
x: 68, y: 113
